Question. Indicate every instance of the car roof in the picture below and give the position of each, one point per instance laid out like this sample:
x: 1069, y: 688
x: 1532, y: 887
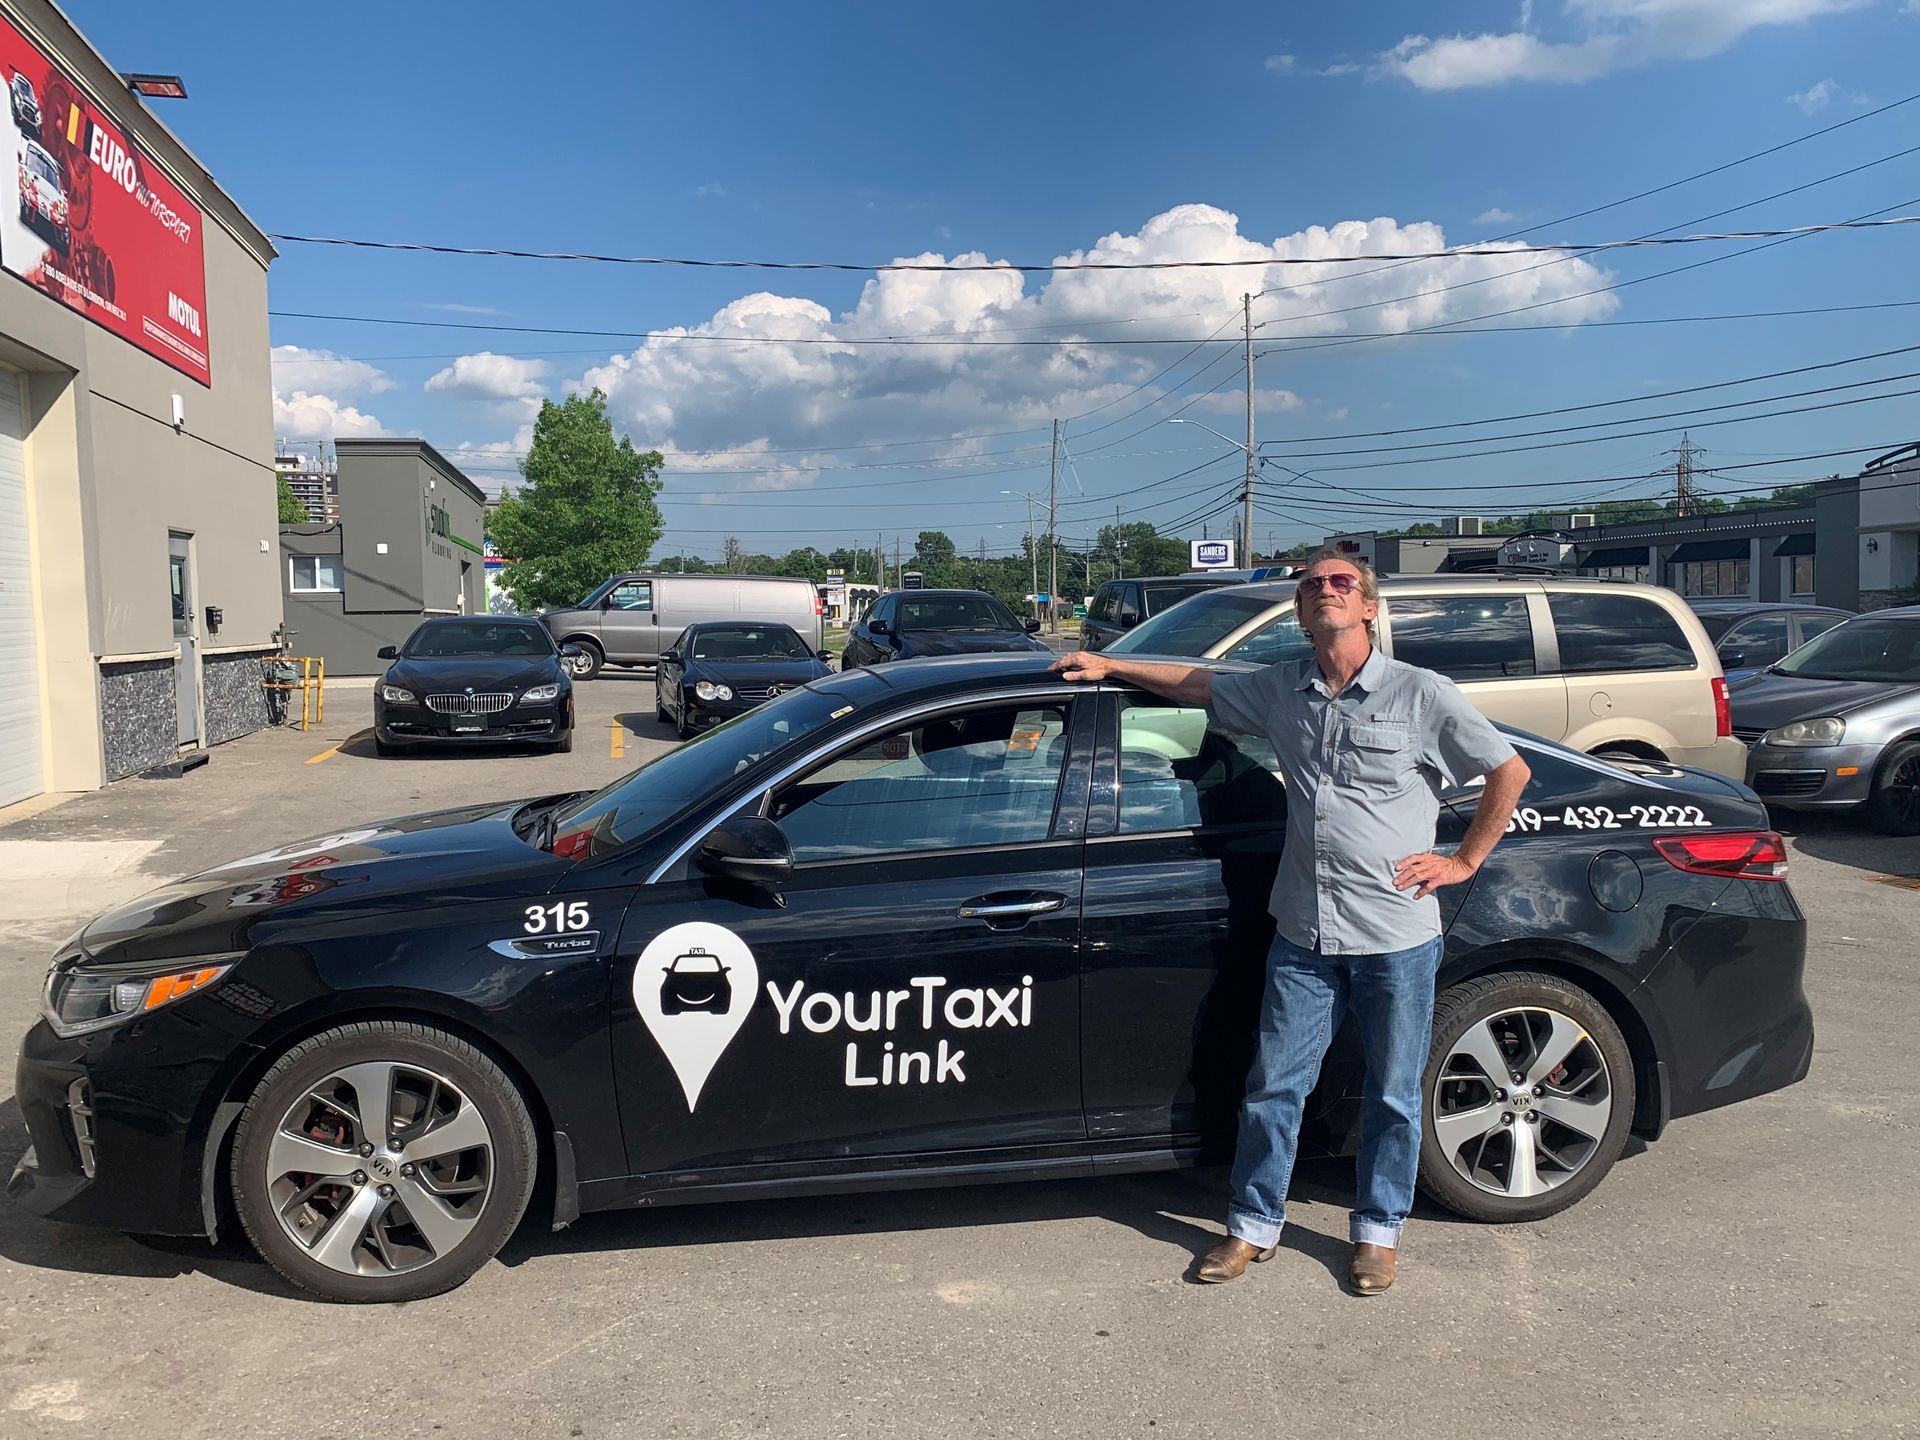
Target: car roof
x: 1729, y: 607
x: 741, y: 624
x: 901, y: 590
x: 441, y: 621
x: 1174, y: 580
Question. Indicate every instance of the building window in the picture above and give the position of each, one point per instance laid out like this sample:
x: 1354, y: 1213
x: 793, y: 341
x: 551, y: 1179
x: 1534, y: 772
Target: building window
x: 314, y: 574
x: 1636, y: 573
x: 1713, y: 577
x: 1802, y: 575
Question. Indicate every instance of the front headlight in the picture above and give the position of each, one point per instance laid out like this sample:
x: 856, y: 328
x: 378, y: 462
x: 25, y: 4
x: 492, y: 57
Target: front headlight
x: 394, y: 695
x: 710, y: 690
x: 78, y: 1001
x: 1828, y: 730
x: 540, y: 693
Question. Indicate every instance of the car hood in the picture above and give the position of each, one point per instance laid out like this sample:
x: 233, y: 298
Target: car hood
x: 1765, y: 700
x: 390, y: 866
x: 480, y: 673
x: 966, y: 642
x: 757, y: 674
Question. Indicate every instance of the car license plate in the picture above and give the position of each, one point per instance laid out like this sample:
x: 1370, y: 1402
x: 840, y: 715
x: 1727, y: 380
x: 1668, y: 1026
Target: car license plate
x: 468, y: 729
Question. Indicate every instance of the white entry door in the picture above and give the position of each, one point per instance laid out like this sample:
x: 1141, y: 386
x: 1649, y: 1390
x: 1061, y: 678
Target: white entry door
x: 20, y: 774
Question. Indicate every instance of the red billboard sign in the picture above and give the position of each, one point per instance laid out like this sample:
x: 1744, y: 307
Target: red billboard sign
x: 95, y: 224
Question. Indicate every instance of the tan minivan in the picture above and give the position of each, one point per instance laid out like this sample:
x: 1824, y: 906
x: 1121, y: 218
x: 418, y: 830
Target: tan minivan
x: 1604, y: 666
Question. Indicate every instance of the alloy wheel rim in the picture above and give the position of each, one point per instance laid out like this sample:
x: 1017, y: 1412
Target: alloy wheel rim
x: 1903, y: 789
x: 1521, y: 1102
x: 380, y: 1168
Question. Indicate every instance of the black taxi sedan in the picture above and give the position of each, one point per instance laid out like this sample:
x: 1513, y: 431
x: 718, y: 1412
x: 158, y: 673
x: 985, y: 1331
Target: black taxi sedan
x: 953, y: 920
x: 474, y: 679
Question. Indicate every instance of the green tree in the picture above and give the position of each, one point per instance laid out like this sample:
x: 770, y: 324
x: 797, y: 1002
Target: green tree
x: 586, y: 512
x: 293, y: 510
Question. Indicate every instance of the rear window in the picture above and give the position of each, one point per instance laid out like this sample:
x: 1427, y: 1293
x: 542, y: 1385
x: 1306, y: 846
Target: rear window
x: 1602, y: 633
x: 1164, y: 597
x: 1194, y: 626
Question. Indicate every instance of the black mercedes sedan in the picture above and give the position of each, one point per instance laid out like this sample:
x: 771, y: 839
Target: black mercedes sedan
x: 721, y: 668
x: 950, y: 921
x: 913, y: 624
x: 466, y: 679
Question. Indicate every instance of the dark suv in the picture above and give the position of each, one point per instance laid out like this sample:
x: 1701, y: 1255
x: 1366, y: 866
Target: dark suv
x: 1119, y: 605
x: 911, y: 624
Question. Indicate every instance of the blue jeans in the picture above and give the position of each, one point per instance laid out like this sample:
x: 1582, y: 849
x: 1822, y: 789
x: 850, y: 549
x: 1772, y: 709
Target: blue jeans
x: 1307, y: 997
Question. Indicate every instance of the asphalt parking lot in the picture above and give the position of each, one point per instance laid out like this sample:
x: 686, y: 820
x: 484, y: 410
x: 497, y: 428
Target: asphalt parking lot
x: 1752, y: 1274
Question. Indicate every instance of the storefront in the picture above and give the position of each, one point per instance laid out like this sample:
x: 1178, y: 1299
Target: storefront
x: 137, y: 499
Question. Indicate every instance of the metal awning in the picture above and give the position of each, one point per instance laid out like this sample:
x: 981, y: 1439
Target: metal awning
x: 1609, y: 555
x: 1801, y: 544
x: 1710, y: 550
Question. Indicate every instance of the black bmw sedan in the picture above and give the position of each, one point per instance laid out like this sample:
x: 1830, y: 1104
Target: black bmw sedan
x: 952, y: 921
x: 464, y: 679
x: 722, y: 668
x: 913, y: 624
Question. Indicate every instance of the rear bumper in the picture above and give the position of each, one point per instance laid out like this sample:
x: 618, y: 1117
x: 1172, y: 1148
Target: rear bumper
x: 1725, y: 756
x: 1806, y: 777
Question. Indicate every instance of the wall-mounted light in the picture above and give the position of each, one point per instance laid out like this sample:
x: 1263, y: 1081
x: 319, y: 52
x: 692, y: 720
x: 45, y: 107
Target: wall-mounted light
x: 156, y: 87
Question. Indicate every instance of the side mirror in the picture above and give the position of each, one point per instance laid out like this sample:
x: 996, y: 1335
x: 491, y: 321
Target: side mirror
x: 606, y: 602
x: 670, y: 657
x: 1732, y: 659
x: 825, y: 657
x: 387, y: 652
x: 1127, y: 622
x: 876, y: 627
x: 1032, y: 626
x: 749, y: 848
x: 571, y: 652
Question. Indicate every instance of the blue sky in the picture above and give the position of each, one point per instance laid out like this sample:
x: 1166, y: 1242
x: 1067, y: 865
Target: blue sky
x: 869, y: 132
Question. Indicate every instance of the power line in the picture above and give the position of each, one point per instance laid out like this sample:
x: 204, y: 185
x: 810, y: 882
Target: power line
x: 1585, y: 247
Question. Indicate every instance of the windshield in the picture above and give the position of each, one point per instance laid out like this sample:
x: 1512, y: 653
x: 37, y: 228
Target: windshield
x: 463, y: 638
x: 749, y: 642
x: 1193, y: 627
x: 1717, y: 623
x: 1865, y: 649
x: 956, y: 612
x: 638, y: 804
x: 43, y: 167
x: 1165, y: 597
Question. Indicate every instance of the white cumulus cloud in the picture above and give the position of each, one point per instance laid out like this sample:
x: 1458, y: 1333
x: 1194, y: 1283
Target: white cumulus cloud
x: 1281, y: 64
x: 502, y: 380
x: 1603, y: 36
x: 1495, y: 216
x: 298, y: 368
x: 304, y: 416
x: 705, y: 395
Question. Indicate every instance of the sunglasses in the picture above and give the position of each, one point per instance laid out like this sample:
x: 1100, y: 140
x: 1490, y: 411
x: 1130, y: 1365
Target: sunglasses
x: 1340, y: 583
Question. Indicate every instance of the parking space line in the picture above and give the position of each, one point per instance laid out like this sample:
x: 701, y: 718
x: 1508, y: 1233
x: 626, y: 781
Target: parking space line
x: 617, y: 741
x: 335, y: 750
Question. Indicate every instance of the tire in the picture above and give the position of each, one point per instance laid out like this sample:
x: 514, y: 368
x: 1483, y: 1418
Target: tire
x: 565, y: 747
x: 1894, y: 804
x: 388, y: 1256
x: 660, y: 712
x: 680, y: 726
x: 1473, y: 1172
x: 590, y: 662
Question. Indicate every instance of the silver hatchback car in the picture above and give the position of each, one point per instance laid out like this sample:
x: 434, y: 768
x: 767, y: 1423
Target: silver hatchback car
x: 1836, y: 724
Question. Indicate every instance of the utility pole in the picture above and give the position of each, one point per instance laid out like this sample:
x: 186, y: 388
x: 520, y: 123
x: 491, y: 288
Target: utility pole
x: 1686, y: 497
x: 896, y: 559
x: 879, y: 561
x: 1053, y: 540
x: 1246, y: 495
x: 1119, y: 548
x: 1033, y: 559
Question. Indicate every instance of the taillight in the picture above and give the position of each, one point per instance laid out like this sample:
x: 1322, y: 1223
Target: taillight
x: 819, y: 606
x: 1743, y: 854
x: 1722, y: 708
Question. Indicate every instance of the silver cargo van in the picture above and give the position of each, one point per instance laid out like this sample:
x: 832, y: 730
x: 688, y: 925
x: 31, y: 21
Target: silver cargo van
x: 631, y: 619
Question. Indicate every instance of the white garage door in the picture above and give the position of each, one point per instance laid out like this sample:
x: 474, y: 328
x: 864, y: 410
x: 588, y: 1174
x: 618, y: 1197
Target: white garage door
x: 19, y: 658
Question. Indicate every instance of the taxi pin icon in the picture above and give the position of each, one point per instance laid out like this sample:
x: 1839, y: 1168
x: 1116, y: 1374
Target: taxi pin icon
x: 693, y: 986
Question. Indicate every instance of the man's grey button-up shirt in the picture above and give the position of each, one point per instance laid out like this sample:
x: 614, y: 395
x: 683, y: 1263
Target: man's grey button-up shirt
x: 1364, y: 770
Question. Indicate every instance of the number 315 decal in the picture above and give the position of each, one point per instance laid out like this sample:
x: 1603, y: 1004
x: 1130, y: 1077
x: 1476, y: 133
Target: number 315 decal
x: 1605, y: 817
x: 559, y: 918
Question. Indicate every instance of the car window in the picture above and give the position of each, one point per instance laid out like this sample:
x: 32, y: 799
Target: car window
x: 1129, y: 603
x: 749, y: 642
x: 1716, y: 623
x: 1178, y: 773
x: 632, y: 595
x: 1760, y: 641
x: 981, y: 777
x: 477, y: 638
x: 1602, y: 633
x: 43, y: 166
x: 1866, y: 648
x: 1165, y: 597
x: 1464, y: 637
x: 1277, y: 642
x: 955, y: 612
x: 1812, y: 625
x: 1103, y: 603
x: 1194, y: 626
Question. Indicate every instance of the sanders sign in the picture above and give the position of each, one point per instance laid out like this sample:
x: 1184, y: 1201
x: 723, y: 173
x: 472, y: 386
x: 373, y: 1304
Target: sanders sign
x: 1212, y: 554
x: 96, y: 225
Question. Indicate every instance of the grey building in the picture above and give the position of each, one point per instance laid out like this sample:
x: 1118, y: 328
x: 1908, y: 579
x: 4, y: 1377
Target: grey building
x: 311, y: 480
x: 407, y: 545
x: 137, y: 498
x: 1738, y: 554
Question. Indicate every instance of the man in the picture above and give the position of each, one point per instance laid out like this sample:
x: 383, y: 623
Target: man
x: 1365, y: 744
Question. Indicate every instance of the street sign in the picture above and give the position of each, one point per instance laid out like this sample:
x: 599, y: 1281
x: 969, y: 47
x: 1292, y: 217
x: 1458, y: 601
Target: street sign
x: 1212, y: 554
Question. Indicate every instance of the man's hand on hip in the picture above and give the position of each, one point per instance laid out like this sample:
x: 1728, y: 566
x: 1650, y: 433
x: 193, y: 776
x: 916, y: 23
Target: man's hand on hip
x: 1430, y: 872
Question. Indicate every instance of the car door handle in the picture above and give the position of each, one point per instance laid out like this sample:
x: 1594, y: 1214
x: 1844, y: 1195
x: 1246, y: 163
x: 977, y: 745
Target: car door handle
x: 988, y: 907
